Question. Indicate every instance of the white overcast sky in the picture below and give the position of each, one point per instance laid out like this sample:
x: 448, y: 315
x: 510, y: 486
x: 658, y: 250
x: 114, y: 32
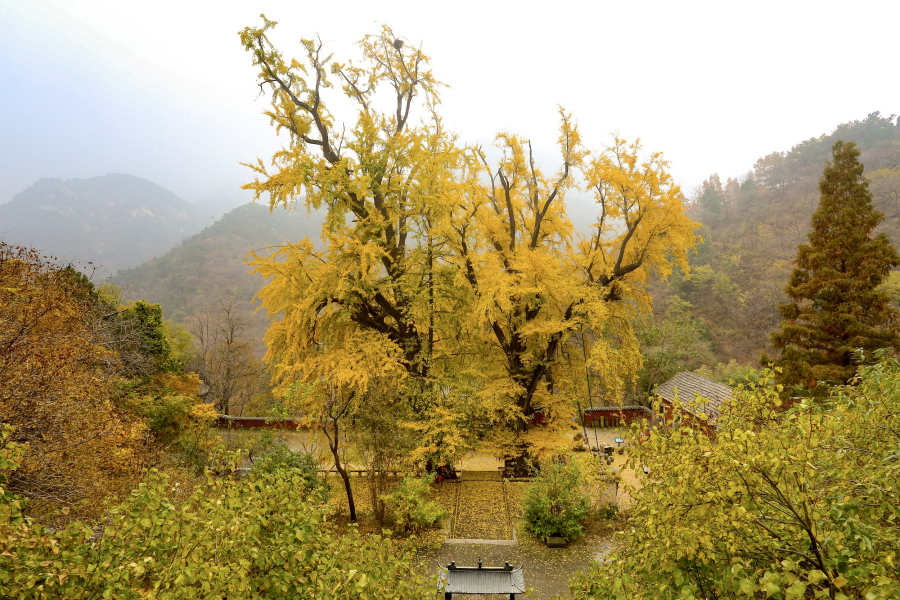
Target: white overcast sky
x: 163, y: 89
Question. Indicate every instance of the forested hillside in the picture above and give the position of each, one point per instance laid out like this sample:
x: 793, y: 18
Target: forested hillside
x: 209, y: 267
x: 116, y: 221
x: 753, y: 224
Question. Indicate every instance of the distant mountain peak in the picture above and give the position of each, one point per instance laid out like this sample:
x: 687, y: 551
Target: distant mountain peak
x: 115, y: 220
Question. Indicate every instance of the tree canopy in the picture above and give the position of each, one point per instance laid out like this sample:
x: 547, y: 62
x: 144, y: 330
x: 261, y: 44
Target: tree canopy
x: 57, y: 388
x: 381, y: 182
x: 537, y: 287
x: 260, y: 538
x: 466, y: 274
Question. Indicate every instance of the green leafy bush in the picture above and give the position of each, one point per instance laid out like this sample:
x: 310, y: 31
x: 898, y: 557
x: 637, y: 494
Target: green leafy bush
x: 410, y: 506
x: 279, y: 457
x: 555, y: 504
x: 255, y: 538
x: 166, y: 413
x: 790, y: 503
x: 609, y: 511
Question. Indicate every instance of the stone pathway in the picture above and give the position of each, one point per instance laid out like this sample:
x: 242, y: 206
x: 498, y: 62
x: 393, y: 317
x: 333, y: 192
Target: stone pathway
x: 482, y: 510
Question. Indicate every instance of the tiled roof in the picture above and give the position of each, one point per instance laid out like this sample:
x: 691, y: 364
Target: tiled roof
x: 689, y: 386
x: 473, y: 580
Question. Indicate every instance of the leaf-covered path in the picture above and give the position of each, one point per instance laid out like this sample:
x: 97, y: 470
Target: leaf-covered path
x: 481, y: 510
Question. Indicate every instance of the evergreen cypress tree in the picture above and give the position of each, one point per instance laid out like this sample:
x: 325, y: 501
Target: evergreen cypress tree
x: 835, y: 306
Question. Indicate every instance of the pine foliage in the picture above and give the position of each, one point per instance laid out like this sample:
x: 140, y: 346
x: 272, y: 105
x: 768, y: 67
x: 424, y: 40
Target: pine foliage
x: 835, y: 305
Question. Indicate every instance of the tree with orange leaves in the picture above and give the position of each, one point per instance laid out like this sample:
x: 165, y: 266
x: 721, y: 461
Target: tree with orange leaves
x: 56, y: 392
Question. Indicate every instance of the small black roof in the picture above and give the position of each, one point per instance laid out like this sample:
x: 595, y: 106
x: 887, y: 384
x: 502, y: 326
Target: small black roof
x: 482, y: 580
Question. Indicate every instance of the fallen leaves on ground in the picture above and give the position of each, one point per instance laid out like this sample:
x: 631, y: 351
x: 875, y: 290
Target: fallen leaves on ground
x: 482, y: 512
x: 515, y: 494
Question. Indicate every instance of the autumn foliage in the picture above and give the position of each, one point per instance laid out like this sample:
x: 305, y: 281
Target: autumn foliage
x: 794, y: 504
x: 57, y: 392
x: 448, y: 300
x: 451, y: 271
x: 260, y: 538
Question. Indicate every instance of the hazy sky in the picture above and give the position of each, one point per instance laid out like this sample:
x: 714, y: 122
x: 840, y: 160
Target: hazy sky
x: 163, y: 89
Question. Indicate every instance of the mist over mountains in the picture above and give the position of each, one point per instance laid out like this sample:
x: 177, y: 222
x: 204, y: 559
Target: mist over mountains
x: 156, y: 246
x: 114, y: 221
x: 209, y: 267
x: 189, y: 257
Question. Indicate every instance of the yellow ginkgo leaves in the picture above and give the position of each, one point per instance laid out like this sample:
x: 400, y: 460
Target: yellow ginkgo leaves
x: 460, y: 273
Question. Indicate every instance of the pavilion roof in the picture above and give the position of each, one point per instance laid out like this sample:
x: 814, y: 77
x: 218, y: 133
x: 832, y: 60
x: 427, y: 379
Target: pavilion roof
x: 482, y: 580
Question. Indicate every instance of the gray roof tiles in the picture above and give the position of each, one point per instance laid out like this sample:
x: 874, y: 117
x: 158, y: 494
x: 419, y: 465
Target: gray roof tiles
x: 690, y: 385
x: 468, y: 580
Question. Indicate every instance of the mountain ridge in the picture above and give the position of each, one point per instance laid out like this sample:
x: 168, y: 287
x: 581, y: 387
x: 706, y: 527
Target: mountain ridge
x: 110, y: 222
x: 751, y: 229
x: 209, y: 267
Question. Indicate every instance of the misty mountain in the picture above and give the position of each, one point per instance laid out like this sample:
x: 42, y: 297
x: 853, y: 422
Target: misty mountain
x: 115, y: 221
x: 209, y: 267
x: 222, y: 200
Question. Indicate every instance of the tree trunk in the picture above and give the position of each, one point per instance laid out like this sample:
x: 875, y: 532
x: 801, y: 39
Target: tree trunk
x: 333, y: 446
x: 521, y: 463
x: 346, y: 478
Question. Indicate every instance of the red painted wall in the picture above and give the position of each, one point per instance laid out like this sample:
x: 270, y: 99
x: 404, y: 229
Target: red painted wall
x: 615, y: 418
x: 687, y: 419
x: 538, y: 418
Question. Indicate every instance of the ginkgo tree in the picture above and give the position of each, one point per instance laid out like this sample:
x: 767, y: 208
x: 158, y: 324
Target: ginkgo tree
x: 538, y: 287
x: 380, y: 184
x: 469, y: 274
x: 378, y: 279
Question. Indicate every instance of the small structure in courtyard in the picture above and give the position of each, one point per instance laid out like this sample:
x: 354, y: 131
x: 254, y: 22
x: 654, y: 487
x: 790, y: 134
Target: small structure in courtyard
x: 501, y: 581
x: 689, y: 387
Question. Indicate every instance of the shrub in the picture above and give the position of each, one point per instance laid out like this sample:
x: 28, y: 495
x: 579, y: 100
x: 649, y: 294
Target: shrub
x: 230, y: 539
x: 555, y: 505
x: 609, y: 511
x: 798, y: 502
x: 166, y: 413
x: 411, y: 508
x: 279, y: 457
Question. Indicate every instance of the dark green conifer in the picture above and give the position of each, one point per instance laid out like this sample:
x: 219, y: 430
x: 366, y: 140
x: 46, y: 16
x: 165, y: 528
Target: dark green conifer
x: 835, y: 305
